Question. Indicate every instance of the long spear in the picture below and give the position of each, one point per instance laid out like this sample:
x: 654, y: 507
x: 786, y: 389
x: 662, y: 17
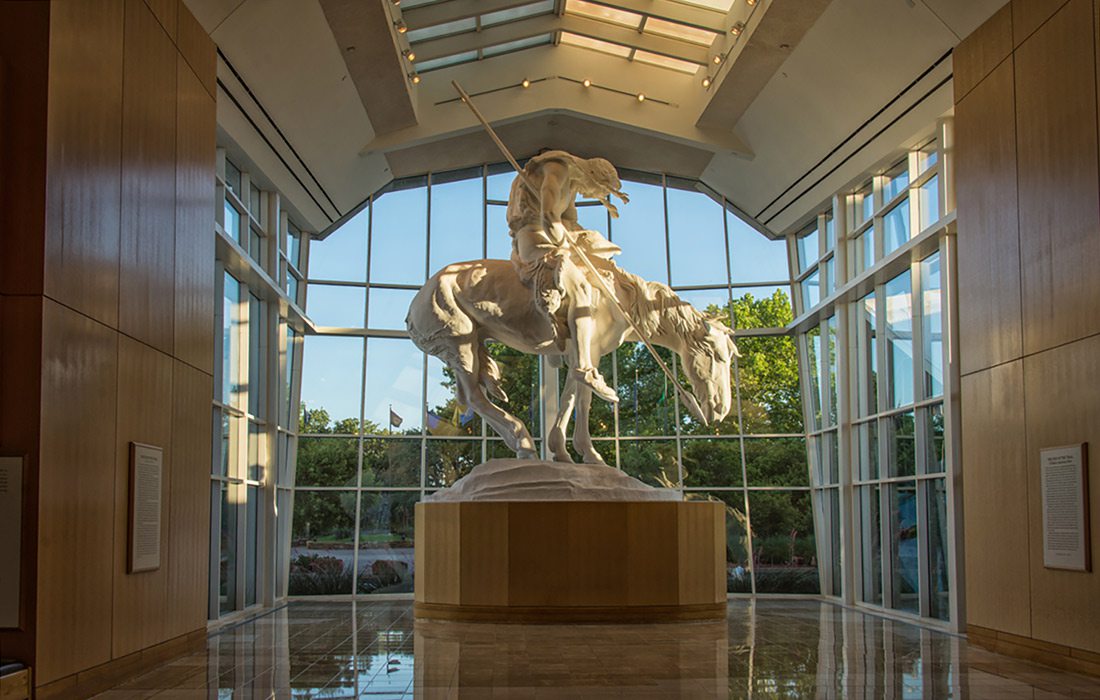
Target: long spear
x: 688, y: 398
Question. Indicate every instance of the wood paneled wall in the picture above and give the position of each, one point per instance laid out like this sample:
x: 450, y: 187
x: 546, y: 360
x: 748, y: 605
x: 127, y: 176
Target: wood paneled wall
x: 1028, y: 188
x: 106, y: 323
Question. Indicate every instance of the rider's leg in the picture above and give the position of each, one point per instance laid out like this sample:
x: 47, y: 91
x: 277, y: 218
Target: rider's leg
x: 583, y: 328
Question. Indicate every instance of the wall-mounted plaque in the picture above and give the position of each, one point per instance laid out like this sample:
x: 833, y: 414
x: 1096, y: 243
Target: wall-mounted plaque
x: 1064, y: 473
x: 11, y: 520
x: 146, y: 468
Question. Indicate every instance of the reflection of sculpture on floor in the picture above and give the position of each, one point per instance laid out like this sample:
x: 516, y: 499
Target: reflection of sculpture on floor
x: 562, y: 296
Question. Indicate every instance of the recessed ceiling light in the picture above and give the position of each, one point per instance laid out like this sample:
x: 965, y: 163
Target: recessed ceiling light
x: 415, y: 79
x: 587, y: 83
x: 410, y: 55
x: 737, y: 28
x: 526, y: 83
x: 706, y: 82
x: 717, y: 59
x: 401, y: 28
x: 641, y: 97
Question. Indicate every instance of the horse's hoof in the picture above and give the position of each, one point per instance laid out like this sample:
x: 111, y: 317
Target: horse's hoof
x: 527, y: 454
x: 594, y: 459
x: 564, y: 458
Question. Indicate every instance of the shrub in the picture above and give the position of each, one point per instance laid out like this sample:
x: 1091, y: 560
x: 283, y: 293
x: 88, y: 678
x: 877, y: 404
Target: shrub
x: 315, y: 574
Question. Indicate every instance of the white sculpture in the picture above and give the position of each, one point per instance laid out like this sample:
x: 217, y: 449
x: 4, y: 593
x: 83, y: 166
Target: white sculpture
x: 562, y: 296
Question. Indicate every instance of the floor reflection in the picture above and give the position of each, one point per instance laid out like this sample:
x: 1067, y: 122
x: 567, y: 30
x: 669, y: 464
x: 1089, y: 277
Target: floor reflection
x: 766, y: 648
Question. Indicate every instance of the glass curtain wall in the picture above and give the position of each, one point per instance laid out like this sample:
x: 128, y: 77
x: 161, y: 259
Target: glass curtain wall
x: 380, y: 425
x: 256, y: 379
x: 874, y: 363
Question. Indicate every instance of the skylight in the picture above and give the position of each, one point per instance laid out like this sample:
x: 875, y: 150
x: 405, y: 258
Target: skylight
x: 604, y: 13
x: 665, y: 62
x: 441, y: 30
x: 500, y: 16
x: 682, y: 32
x: 516, y: 45
x: 720, y: 5
x: 595, y: 44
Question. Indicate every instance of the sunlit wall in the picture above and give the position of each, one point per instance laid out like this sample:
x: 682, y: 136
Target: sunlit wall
x: 380, y: 426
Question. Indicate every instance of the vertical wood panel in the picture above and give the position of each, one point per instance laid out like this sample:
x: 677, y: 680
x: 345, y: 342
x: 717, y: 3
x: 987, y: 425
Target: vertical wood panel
x: 989, y: 247
x: 146, y: 269
x: 978, y: 54
x: 166, y: 13
x: 1058, y: 180
x: 1065, y: 605
x: 76, y: 493
x: 194, y: 240
x: 188, y: 524
x: 440, y: 572
x: 144, y: 415
x: 652, y: 553
x: 484, y: 548
x: 197, y: 48
x: 697, y: 561
x: 538, y: 574
x: 996, y: 499
x: 82, y: 216
x: 1027, y: 15
x: 24, y: 44
x: 596, y: 533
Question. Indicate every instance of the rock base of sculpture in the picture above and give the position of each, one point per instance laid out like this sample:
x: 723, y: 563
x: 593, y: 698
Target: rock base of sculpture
x: 567, y: 561
x: 535, y: 480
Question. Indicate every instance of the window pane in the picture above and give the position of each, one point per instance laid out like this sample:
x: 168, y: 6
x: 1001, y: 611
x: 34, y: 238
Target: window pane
x: 696, y: 241
x: 520, y: 381
x: 807, y: 249
x: 905, y: 579
x: 254, y: 202
x: 895, y: 181
x: 336, y: 305
x: 395, y: 392
x: 386, y: 542
x: 829, y: 460
x: 294, y: 245
x: 934, y: 462
x: 929, y: 200
x: 322, y: 545
x: 811, y: 291
x: 829, y: 280
x: 738, y: 563
x: 776, y: 462
x: 771, y: 401
x: 227, y: 567
x: 861, y: 206
x: 646, y: 401
x: 867, y: 356
x: 446, y: 417
x: 252, y: 545
x: 456, y: 226
x: 343, y: 254
x: 332, y: 371
x: 391, y: 462
x: 762, y: 307
x: 498, y: 186
x: 388, y: 308
x: 450, y: 460
x: 899, y: 341
x: 292, y: 284
x: 832, y: 520
x: 895, y: 226
x: 651, y: 461
x: 754, y: 257
x: 288, y: 376
x: 783, y: 542
x: 232, y: 313
x: 902, y: 445
x: 940, y: 600
x: 813, y: 354
x: 864, y: 250
x: 498, y: 240
x: 399, y: 237
x: 232, y: 177
x: 255, y: 463
x: 932, y: 325
x: 871, y: 543
x: 830, y: 413
x: 257, y: 344
x: 712, y: 462
x: 830, y: 232
x: 327, y: 461
x: 640, y: 230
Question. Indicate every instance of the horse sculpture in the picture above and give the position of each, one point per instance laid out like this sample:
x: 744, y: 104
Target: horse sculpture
x: 467, y: 303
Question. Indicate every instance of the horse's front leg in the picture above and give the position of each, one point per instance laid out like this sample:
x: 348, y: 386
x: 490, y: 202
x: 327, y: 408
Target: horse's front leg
x: 555, y: 441
x: 582, y: 439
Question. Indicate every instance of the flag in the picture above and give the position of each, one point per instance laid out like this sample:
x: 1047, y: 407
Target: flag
x: 395, y: 420
x: 466, y: 417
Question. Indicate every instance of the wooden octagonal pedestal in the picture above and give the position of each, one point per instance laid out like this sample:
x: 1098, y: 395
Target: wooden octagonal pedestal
x: 571, y: 561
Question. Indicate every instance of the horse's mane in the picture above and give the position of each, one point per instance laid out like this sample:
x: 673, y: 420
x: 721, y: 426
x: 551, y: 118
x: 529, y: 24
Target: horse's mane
x: 654, y: 307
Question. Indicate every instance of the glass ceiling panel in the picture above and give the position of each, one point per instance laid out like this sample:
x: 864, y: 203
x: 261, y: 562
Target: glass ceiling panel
x: 665, y: 61
x: 407, y: 4
x: 440, y: 30
x: 595, y: 44
x: 516, y: 45
x: 453, y: 59
x: 514, y: 13
x: 675, y: 30
x: 602, y: 12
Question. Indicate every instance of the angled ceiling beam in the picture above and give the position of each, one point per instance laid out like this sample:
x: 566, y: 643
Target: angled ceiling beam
x: 441, y: 13
x: 367, y: 41
x: 545, y: 24
x: 701, y: 17
x: 769, y: 44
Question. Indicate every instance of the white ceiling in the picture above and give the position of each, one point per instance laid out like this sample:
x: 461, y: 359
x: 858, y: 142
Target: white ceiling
x: 855, y: 61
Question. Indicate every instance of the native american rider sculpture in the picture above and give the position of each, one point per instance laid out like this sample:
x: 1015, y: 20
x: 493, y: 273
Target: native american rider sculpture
x: 562, y: 295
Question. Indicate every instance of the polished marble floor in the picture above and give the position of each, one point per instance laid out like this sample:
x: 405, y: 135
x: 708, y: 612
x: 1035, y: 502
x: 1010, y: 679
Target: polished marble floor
x: 766, y: 649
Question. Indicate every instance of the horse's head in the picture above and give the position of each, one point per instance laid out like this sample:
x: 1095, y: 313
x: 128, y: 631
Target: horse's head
x: 707, y: 357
